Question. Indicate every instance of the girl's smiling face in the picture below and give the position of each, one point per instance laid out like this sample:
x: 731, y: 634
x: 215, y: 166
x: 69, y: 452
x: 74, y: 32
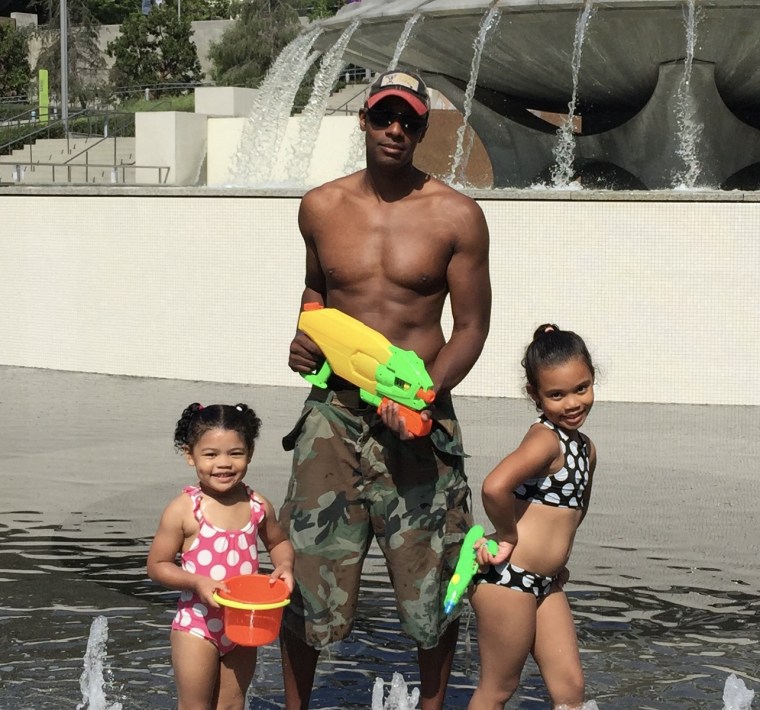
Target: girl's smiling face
x: 565, y: 393
x: 220, y: 458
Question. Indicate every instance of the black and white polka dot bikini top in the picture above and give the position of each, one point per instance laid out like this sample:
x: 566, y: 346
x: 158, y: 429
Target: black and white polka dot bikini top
x: 563, y: 489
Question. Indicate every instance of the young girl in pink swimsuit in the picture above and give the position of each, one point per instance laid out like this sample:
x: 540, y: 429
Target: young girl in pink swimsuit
x: 214, y: 527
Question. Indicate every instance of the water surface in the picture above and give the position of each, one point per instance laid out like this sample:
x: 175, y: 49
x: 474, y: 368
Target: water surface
x: 664, y: 576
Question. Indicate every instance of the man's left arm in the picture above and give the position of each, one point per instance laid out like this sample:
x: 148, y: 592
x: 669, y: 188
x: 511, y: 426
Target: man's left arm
x: 469, y: 286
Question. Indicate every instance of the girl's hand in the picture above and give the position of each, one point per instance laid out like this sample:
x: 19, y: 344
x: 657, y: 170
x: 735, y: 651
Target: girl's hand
x: 484, y: 556
x: 561, y: 579
x: 285, y: 573
x: 205, y: 587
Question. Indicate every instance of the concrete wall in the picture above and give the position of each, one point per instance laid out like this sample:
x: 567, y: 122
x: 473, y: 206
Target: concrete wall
x: 172, y: 139
x: 205, y: 284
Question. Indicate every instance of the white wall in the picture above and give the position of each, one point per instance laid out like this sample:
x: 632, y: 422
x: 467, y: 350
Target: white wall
x: 175, y: 140
x: 205, y: 285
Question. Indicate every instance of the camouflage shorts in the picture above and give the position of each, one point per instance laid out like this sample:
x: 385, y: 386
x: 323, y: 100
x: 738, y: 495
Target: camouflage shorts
x: 354, y: 479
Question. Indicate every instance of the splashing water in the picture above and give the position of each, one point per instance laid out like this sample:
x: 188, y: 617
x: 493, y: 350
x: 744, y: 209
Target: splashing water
x: 311, y: 118
x: 462, y: 152
x: 264, y: 130
x: 355, y: 159
x: 403, y: 40
x: 735, y: 694
x: 689, y: 129
x: 92, y: 681
x: 564, y: 151
x: 397, y: 696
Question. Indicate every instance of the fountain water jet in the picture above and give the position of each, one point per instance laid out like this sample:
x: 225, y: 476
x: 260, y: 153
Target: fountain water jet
x: 462, y: 153
x: 92, y: 681
x: 689, y: 128
x: 564, y: 152
x: 626, y: 91
x: 332, y: 63
x: 260, y: 140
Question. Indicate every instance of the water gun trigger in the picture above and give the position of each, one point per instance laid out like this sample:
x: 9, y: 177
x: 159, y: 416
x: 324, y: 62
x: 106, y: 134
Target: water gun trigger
x: 413, y: 420
x: 320, y: 377
x: 427, y: 396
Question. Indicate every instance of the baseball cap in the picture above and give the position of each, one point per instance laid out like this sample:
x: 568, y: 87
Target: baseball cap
x: 403, y: 84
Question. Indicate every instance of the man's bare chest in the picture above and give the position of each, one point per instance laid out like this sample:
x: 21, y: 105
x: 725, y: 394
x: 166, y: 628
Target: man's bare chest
x: 409, y: 254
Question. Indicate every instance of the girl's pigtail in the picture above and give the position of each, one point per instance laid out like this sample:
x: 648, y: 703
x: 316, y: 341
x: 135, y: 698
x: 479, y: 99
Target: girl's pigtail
x: 252, y: 422
x: 182, y: 430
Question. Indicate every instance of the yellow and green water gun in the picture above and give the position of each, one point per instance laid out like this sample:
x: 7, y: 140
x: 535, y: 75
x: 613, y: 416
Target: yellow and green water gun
x: 367, y: 359
x: 467, y: 566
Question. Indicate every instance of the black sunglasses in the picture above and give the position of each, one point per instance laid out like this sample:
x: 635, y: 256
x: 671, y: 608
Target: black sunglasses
x: 380, y: 118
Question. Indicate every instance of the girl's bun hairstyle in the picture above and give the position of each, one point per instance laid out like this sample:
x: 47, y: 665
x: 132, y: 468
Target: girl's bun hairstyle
x: 551, y: 347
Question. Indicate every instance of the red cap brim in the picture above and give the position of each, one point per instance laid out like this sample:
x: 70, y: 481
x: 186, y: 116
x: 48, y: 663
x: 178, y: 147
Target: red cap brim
x: 417, y: 104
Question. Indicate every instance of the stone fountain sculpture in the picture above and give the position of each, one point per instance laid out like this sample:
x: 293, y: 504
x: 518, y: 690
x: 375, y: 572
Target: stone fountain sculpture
x: 653, y: 74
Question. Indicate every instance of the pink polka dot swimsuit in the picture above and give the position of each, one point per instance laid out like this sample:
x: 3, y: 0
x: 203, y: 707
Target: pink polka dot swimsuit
x: 218, y: 554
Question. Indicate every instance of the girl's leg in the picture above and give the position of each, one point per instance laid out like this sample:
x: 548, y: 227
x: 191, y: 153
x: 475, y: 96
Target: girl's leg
x: 556, y: 651
x: 506, y: 629
x: 235, y: 674
x: 196, y: 670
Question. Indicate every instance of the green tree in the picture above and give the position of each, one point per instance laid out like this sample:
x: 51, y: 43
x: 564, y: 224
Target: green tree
x: 155, y: 49
x: 206, y: 9
x: 323, y: 8
x: 85, y: 59
x: 113, y: 12
x: 244, y: 53
x: 15, y: 73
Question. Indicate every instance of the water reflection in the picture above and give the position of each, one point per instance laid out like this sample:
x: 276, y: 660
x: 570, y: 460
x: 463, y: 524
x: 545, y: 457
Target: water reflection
x: 642, y: 648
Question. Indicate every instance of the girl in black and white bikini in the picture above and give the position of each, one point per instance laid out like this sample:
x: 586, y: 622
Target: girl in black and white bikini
x: 536, y: 498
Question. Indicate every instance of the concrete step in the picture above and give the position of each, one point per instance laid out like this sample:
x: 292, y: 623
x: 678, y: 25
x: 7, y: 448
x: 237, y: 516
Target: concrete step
x: 79, y: 168
x: 54, y: 150
x: 349, y: 99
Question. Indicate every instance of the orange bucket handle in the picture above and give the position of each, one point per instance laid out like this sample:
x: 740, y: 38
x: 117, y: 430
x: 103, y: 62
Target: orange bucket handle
x: 222, y: 601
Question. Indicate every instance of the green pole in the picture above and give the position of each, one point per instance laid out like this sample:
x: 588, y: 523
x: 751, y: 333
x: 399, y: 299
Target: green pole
x: 43, y: 95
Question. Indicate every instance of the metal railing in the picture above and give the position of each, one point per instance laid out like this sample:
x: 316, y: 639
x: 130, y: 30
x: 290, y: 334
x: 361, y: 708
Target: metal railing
x: 344, y: 107
x: 74, y: 169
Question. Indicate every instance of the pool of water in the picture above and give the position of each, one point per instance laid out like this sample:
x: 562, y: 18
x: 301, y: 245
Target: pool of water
x: 642, y: 648
x: 662, y: 619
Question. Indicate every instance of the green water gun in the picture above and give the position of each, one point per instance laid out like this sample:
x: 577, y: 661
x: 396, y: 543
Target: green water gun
x: 366, y: 358
x: 467, y: 566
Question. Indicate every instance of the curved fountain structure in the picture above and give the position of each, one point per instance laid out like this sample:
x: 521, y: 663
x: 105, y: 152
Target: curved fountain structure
x: 654, y: 74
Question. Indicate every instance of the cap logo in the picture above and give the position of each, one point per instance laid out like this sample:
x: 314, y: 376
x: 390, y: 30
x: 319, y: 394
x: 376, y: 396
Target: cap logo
x: 400, y: 79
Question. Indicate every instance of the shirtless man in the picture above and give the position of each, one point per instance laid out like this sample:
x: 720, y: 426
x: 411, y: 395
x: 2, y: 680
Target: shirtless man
x: 385, y: 245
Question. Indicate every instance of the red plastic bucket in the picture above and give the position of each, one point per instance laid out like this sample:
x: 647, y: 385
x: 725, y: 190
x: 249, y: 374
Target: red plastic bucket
x: 253, y: 608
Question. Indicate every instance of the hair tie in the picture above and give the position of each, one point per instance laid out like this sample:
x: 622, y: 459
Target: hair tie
x: 549, y: 329
x: 200, y: 407
x: 239, y: 408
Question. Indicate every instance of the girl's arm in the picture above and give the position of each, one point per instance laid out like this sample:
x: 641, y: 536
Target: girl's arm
x: 279, y: 547
x: 535, y: 455
x: 167, y: 544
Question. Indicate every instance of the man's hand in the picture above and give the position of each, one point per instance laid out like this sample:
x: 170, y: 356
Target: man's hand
x: 305, y: 355
x: 393, y: 418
